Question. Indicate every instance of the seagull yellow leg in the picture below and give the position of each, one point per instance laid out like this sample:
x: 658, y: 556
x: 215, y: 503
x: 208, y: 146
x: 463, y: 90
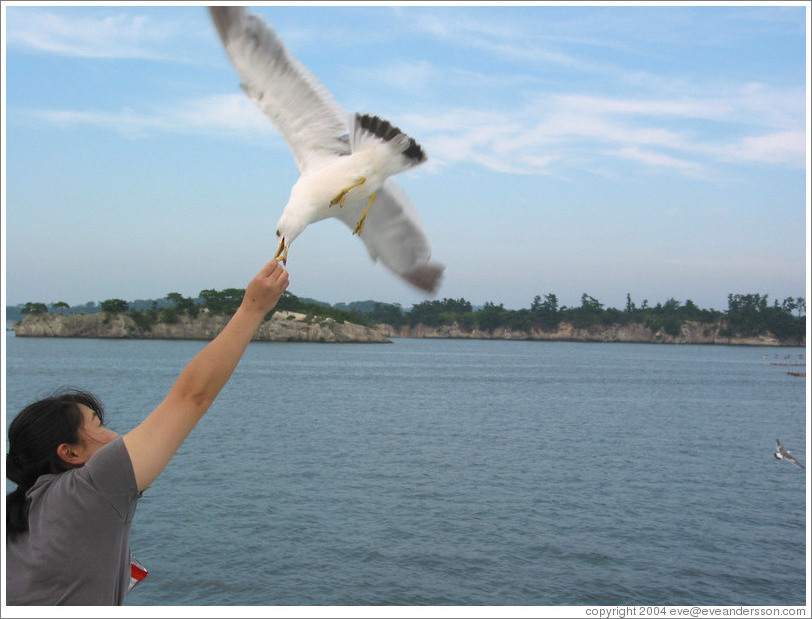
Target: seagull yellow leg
x: 360, y: 225
x: 339, y: 199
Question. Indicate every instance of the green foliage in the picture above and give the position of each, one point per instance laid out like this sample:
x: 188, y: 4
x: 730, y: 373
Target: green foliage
x: 491, y: 316
x: 389, y: 313
x: 35, y: 308
x: 289, y: 302
x: 170, y: 315
x: 222, y: 301
x: 747, y: 314
x: 589, y: 314
x: 114, y: 306
x: 435, y: 313
x: 466, y: 321
x: 519, y: 320
x: 141, y: 319
x: 545, y: 314
x: 750, y: 314
x: 182, y: 305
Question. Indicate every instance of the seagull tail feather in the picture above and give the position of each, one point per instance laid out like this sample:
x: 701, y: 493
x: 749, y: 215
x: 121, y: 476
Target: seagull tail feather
x: 366, y: 126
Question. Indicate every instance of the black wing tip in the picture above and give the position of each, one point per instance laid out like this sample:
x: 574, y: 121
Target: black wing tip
x: 385, y: 130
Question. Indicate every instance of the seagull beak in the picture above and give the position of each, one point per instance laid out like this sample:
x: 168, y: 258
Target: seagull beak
x: 282, y: 252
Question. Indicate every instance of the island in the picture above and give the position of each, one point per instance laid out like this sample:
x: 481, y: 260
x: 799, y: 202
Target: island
x: 284, y: 326
x: 749, y: 320
x: 281, y: 326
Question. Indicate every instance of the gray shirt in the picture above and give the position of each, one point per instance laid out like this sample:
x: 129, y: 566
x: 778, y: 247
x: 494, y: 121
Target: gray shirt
x: 77, y: 548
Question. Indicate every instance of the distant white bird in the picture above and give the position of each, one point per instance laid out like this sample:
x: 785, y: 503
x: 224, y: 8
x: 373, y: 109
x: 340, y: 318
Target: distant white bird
x: 344, y: 160
x: 782, y: 454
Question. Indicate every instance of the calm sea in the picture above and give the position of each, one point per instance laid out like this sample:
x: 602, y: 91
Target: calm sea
x: 448, y: 472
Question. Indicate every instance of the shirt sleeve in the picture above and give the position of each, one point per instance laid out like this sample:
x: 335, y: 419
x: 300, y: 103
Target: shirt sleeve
x: 110, y: 471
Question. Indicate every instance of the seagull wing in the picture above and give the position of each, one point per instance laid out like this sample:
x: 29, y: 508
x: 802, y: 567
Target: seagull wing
x: 312, y: 123
x: 787, y: 455
x: 393, y: 234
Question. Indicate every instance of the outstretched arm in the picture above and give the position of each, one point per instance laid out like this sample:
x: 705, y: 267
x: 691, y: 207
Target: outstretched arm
x: 152, y: 444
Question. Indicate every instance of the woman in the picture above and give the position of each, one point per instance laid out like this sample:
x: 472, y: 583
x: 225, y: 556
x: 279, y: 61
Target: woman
x: 68, y: 521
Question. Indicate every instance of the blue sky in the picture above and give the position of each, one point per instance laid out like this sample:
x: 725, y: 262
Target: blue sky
x: 658, y: 151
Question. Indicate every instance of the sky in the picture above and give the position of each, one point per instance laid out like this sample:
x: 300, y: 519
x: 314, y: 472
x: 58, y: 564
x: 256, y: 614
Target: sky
x: 658, y: 151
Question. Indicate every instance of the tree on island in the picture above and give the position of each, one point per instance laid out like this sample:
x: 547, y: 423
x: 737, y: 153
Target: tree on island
x: 747, y: 315
x: 114, y: 306
x: 34, y: 308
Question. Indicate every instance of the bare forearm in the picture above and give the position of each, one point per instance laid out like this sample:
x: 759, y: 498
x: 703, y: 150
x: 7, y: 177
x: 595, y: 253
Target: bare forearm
x: 154, y: 441
x: 207, y: 373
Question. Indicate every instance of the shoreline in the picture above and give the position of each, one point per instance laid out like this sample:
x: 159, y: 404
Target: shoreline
x: 295, y: 327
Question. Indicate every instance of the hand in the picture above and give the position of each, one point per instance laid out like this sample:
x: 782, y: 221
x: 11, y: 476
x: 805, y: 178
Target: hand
x: 264, y: 290
x: 156, y: 439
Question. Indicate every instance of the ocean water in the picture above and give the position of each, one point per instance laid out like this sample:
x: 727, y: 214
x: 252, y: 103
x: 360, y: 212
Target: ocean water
x: 450, y: 472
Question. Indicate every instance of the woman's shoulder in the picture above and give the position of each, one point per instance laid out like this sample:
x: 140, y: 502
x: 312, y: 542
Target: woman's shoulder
x: 110, y: 469
x: 114, y: 451
x: 108, y: 475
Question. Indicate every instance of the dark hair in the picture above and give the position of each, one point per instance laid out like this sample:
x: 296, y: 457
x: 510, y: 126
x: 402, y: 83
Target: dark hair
x: 33, y: 438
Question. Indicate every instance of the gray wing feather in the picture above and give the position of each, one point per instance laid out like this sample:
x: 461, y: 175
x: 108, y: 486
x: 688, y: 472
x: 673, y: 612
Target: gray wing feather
x: 786, y: 455
x: 301, y: 108
x: 393, y: 234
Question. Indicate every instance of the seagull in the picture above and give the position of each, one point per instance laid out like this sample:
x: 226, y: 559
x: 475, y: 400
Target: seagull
x: 345, y: 160
x: 783, y: 454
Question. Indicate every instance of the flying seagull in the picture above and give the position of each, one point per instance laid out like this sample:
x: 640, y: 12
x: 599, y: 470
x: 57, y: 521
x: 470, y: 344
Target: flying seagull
x: 782, y: 454
x: 344, y: 160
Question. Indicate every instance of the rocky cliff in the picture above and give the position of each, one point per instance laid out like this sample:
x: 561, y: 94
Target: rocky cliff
x: 294, y: 327
x: 281, y: 327
x: 691, y: 333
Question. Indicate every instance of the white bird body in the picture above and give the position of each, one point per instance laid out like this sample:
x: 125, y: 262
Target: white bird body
x: 782, y: 453
x: 317, y: 187
x: 344, y: 160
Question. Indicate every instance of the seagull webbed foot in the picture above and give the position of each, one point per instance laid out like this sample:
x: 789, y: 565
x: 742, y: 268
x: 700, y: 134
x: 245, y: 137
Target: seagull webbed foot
x: 342, y: 195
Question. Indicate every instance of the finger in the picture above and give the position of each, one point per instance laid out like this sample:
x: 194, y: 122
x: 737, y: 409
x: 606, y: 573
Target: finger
x: 269, y: 269
x: 280, y: 271
x: 271, y: 266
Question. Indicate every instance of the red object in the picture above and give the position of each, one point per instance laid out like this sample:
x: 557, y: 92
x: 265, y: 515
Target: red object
x: 137, y: 572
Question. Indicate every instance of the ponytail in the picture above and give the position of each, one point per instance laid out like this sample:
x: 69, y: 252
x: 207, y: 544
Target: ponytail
x: 16, y: 503
x: 33, y: 438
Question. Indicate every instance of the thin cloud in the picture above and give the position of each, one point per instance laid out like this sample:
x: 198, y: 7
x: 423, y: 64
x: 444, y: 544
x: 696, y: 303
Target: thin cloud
x: 687, y: 132
x: 92, y: 36
x: 659, y: 161
x: 687, y: 108
x: 233, y: 114
x: 560, y: 128
x: 503, y: 40
x: 781, y: 148
x: 224, y: 115
x: 535, y: 140
x: 400, y: 75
